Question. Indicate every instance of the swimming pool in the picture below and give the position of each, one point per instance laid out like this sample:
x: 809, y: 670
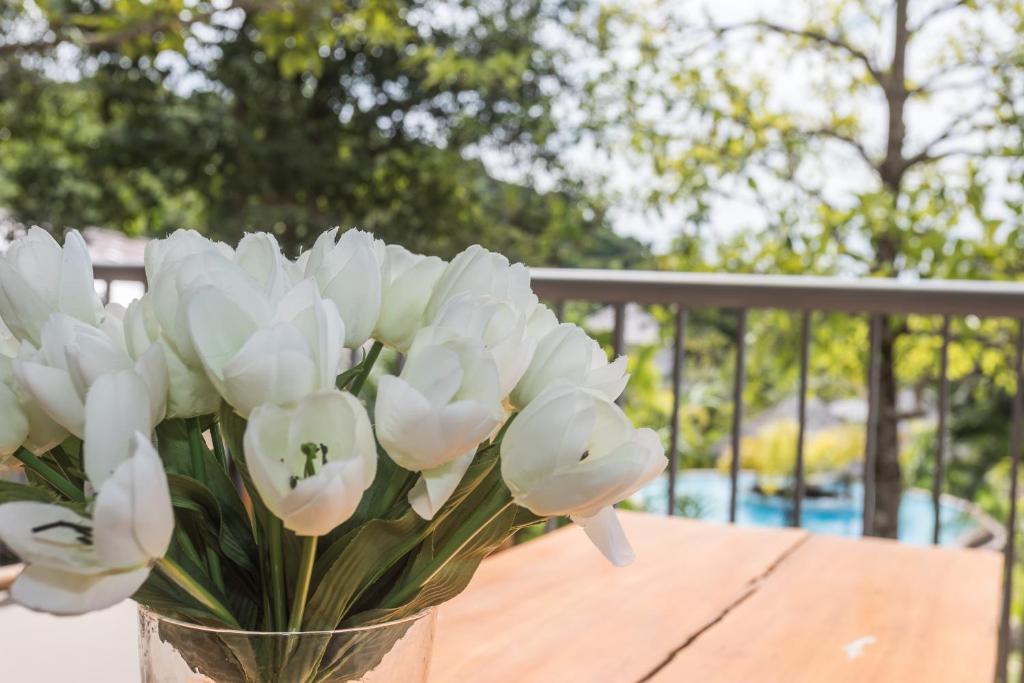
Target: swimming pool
x: 840, y: 516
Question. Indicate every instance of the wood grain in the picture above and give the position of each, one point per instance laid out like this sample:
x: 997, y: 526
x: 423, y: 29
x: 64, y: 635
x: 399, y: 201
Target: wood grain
x: 554, y: 610
x: 918, y: 614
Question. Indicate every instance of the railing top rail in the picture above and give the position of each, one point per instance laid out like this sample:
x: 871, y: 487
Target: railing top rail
x: 724, y: 290
x: 789, y: 292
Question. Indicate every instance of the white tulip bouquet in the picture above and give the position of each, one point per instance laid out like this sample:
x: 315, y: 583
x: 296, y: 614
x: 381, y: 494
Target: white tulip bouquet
x: 229, y: 452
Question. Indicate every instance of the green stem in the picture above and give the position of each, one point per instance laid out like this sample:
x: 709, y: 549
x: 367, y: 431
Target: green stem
x: 276, y: 557
x: 195, y: 448
x: 218, y: 444
x: 368, y: 362
x: 52, y: 477
x: 173, y: 571
x: 302, y: 582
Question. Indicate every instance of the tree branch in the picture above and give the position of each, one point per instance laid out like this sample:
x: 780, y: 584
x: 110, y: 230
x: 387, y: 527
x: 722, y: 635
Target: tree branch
x: 819, y: 37
x: 937, y: 12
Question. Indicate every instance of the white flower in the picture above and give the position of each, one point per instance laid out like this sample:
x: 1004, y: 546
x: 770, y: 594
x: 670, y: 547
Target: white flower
x: 568, y: 353
x: 542, y: 321
x: 573, y: 452
x: 479, y: 272
x: 348, y: 272
x: 501, y: 327
x: 190, y: 391
x: 22, y: 421
x: 179, y: 246
x: 431, y: 418
x: 72, y: 356
x: 260, y: 256
x: 75, y: 564
x: 38, y: 278
x: 408, y: 280
x: 311, y: 463
x: 174, y: 284
x: 254, y: 354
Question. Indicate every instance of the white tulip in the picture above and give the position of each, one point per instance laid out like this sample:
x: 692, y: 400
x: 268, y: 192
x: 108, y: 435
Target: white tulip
x: 38, y: 277
x: 178, y: 247
x: 72, y: 356
x: 13, y: 420
x: 431, y: 418
x: 573, y: 452
x: 478, y: 272
x: 75, y: 564
x: 177, y: 281
x: 408, y: 280
x: 190, y: 391
x: 260, y: 256
x: 568, y: 353
x: 501, y: 327
x: 347, y: 270
x: 255, y: 355
x: 542, y: 321
x: 312, y: 462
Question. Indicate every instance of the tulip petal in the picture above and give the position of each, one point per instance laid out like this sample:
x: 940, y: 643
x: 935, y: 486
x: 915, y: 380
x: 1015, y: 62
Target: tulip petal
x: 42, y: 534
x: 116, y: 407
x: 59, y: 592
x: 435, y: 486
x: 21, y: 307
x: 152, y: 368
x: 13, y: 422
x: 77, y: 296
x: 218, y: 328
x: 54, y: 392
x: 605, y: 532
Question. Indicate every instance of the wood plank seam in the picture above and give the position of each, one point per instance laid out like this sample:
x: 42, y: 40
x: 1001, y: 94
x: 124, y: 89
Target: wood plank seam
x: 752, y: 586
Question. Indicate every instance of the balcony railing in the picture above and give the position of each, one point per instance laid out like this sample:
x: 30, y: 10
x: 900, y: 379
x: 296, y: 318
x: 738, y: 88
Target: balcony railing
x: 807, y: 295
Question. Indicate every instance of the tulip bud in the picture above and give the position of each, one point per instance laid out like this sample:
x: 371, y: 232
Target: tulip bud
x: 38, y: 277
x: 500, y: 326
x: 72, y: 356
x: 572, y: 452
x: 74, y: 564
x: 256, y: 355
x: 348, y: 272
x: 567, y: 353
x: 311, y: 463
x: 408, y: 280
x: 431, y: 418
x: 478, y: 272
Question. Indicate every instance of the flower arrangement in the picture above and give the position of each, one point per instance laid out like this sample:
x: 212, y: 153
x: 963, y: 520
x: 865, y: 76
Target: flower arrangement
x: 235, y: 450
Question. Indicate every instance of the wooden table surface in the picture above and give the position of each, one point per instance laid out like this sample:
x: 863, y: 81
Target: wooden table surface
x: 703, y: 602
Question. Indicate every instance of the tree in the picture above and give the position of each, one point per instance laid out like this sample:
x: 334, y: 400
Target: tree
x: 293, y: 116
x: 805, y: 116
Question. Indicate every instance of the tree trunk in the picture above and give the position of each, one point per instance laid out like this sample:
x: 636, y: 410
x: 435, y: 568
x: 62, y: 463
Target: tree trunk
x: 888, y: 484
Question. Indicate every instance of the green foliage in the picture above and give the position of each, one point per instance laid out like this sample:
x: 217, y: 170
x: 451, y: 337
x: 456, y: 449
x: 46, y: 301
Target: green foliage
x: 294, y: 117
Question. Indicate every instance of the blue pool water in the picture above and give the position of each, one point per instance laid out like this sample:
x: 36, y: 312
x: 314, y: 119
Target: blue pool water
x: 840, y: 516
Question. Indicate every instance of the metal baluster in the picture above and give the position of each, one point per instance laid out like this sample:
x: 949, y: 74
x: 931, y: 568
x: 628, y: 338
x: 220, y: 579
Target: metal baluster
x: 798, y: 488
x: 106, y: 291
x: 874, y: 384
x: 940, y: 444
x: 678, y: 360
x: 737, y: 409
x: 1009, y: 550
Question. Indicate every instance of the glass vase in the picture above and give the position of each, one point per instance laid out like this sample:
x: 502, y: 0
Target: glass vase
x: 172, y: 651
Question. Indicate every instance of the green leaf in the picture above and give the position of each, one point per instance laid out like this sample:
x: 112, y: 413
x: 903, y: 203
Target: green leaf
x: 232, y: 532
x: 12, y: 491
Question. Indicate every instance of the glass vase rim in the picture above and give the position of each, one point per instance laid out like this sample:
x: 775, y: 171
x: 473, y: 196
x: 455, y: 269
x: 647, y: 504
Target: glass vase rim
x: 145, y: 611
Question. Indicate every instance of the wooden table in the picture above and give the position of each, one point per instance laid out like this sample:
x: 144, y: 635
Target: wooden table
x: 703, y: 602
